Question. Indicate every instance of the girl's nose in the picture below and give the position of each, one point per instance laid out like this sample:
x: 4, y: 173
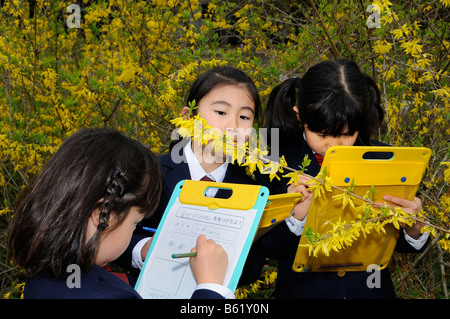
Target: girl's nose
x: 333, y: 141
x: 231, y: 131
x: 232, y: 125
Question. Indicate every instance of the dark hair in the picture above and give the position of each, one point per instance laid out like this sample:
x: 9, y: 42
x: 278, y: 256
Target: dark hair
x: 93, y: 169
x: 220, y: 76
x: 330, y: 96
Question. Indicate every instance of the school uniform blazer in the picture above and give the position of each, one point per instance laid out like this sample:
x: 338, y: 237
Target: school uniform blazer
x: 97, y: 283
x: 280, y: 243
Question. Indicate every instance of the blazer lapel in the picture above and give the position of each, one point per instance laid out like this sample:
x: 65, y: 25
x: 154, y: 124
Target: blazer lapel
x: 173, y: 172
x: 236, y: 174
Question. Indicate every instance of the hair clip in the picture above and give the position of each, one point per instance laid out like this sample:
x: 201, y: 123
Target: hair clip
x: 102, y: 227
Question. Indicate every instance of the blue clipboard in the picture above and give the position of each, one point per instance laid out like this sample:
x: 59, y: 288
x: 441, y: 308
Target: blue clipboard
x: 231, y: 222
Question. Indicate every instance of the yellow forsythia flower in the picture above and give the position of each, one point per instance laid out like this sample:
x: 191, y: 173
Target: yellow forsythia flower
x: 447, y: 172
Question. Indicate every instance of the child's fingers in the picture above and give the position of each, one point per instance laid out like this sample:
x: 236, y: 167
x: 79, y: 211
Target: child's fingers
x: 207, y: 245
x: 395, y: 200
x: 201, y: 241
x: 409, y: 206
x: 300, y: 189
x: 210, y: 264
x: 303, y: 190
x: 292, y: 188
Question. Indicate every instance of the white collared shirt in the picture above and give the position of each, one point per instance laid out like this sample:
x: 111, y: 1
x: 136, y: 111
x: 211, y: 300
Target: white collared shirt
x: 197, y: 172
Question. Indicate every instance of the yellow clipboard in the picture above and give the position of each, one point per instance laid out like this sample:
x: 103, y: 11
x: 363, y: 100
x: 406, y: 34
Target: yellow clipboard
x: 278, y: 208
x: 395, y: 171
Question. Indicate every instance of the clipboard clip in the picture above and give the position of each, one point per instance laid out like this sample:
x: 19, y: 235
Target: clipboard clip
x: 241, y: 196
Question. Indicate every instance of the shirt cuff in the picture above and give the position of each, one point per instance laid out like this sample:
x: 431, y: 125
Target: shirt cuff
x: 416, y: 243
x: 222, y: 290
x: 136, y: 259
x: 296, y: 226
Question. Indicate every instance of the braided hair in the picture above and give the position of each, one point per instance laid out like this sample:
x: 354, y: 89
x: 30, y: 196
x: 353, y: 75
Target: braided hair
x: 114, y: 191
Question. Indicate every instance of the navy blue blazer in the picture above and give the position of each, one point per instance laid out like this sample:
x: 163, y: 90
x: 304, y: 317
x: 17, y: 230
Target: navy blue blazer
x: 280, y: 243
x: 97, y: 283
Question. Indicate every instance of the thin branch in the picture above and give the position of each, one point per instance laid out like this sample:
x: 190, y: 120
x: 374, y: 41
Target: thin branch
x: 441, y: 261
x: 322, y: 23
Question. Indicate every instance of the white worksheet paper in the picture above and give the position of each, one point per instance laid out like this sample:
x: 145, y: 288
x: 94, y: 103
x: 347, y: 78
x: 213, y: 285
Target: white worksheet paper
x: 164, y: 277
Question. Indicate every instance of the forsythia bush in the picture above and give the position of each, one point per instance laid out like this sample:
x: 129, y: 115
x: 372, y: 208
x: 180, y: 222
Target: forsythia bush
x: 128, y: 65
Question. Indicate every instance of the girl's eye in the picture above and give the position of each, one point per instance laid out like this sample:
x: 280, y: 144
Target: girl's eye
x: 245, y: 117
x: 321, y: 135
x: 221, y: 112
x: 347, y: 134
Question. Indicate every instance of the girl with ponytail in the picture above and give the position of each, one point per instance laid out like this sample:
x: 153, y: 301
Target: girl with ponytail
x: 333, y: 104
x: 334, y: 101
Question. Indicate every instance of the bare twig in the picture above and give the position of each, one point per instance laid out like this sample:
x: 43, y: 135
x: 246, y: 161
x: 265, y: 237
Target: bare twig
x: 442, y: 267
x: 335, y: 51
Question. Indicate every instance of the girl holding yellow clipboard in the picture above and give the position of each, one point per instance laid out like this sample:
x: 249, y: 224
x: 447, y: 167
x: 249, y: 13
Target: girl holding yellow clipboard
x: 333, y: 104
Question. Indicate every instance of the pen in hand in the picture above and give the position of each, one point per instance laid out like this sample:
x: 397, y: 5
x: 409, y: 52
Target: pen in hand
x: 184, y: 255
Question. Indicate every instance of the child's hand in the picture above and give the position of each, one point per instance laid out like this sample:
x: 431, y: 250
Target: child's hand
x: 408, y: 206
x: 210, y: 264
x: 301, y: 208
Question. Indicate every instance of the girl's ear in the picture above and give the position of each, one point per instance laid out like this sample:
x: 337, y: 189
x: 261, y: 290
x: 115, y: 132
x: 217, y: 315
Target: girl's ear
x: 185, y: 112
x: 295, y: 108
x: 95, y: 217
x: 92, y: 224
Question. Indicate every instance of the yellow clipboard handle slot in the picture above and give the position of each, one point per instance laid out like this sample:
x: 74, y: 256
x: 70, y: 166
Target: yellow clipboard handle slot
x: 243, y: 196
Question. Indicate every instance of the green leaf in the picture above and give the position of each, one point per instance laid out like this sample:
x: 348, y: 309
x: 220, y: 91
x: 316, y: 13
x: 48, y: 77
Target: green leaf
x: 305, y: 163
x: 192, y: 107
